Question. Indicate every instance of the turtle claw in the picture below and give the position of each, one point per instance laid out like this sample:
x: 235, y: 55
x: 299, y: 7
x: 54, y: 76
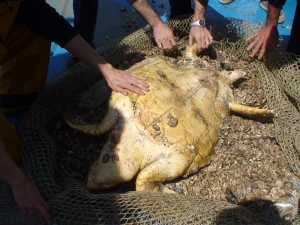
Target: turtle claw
x: 97, y: 95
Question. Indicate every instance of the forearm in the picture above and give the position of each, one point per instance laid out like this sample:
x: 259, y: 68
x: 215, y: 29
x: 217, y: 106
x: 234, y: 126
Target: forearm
x: 277, y: 3
x: 9, y: 171
x: 272, y: 16
x: 147, y: 12
x: 83, y: 51
x: 200, y: 9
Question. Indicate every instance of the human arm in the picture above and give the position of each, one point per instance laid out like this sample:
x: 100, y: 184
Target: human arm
x: 268, y: 34
x: 118, y: 80
x: 163, y: 34
x: 200, y: 34
x: 43, y: 20
x: 26, y: 194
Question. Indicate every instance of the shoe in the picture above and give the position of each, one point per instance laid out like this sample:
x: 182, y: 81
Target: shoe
x: 225, y: 1
x: 264, y: 5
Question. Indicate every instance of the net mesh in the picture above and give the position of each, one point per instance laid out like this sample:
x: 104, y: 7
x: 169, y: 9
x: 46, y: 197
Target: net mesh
x: 72, y: 204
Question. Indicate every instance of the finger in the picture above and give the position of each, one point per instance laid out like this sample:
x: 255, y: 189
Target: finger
x: 167, y: 46
x: 160, y: 45
x: 256, y: 50
x: 135, y: 89
x: 251, y: 37
x: 137, y: 82
x: 121, y: 90
x: 138, y: 77
x: 140, y: 85
x: 262, y: 51
x: 201, y: 45
x: 44, y: 210
x: 191, y: 40
x: 200, y: 49
x: 253, y: 43
x: 46, y: 206
x: 174, y: 43
x: 207, y: 43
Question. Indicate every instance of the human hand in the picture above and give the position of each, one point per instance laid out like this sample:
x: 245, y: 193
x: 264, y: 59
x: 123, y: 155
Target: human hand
x: 202, y: 36
x: 164, y: 37
x: 121, y: 81
x: 267, y: 35
x: 29, y: 199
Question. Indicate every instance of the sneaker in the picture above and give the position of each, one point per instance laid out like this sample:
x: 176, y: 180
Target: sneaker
x: 264, y: 5
x: 225, y: 1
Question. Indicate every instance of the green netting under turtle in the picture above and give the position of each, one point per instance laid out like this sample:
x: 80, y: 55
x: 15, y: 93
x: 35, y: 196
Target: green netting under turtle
x: 70, y: 203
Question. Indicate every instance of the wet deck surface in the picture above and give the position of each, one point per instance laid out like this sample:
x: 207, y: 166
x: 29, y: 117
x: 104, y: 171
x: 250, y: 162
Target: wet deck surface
x: 111, y: 18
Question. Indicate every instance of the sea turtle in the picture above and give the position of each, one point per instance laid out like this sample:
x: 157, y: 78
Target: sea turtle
x: 167, y: 133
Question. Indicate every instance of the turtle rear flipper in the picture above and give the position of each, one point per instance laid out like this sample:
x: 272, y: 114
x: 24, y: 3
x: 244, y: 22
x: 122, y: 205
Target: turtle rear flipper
x: 249, y: 111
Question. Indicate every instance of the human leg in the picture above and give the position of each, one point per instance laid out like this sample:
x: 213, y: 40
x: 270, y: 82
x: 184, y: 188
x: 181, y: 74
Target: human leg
x: 293, y: 45
x: 180, y: 7
x: 85, y: 18
x: 23, y: 69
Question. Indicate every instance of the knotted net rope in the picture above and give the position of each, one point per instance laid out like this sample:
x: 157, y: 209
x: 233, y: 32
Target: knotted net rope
x: 72, y: 204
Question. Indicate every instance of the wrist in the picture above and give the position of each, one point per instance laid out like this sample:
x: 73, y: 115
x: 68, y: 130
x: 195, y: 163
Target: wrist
x: 18, y: 182
x: 272, y: 22
x: 105, y: 69
x: 198, y: 23
x: 155, y: 23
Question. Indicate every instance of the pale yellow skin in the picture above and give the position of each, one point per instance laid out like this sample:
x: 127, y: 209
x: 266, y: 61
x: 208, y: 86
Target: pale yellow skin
x: 144, y: 138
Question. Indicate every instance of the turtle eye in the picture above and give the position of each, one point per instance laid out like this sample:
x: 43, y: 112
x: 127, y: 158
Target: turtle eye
x: 105, y: 158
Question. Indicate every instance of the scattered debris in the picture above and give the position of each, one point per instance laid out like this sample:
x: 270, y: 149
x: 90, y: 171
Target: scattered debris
x: 123, y: 9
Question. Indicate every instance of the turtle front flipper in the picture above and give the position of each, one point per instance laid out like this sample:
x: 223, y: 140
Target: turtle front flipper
x: 249, y: 111
x: 106, y: 124
x: 97, y: 95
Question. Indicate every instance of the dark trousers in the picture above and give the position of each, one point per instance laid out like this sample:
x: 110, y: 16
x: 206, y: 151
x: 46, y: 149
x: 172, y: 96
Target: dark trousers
x: 85, y: 18
x: 180, y: 7
x: 294, y: 42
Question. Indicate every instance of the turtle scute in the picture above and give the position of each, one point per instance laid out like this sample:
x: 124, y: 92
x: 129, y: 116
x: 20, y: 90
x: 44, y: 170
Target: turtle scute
x: 169, y: 132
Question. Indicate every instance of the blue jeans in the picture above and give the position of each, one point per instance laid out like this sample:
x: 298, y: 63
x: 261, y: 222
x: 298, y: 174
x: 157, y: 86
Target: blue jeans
x: 85, y: 18
x: 180, y: 7
x: 293, y: 45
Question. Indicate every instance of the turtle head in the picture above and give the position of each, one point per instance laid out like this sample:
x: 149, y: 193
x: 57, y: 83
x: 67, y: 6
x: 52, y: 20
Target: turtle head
x: 191, y: 52
x: 234, y: 75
